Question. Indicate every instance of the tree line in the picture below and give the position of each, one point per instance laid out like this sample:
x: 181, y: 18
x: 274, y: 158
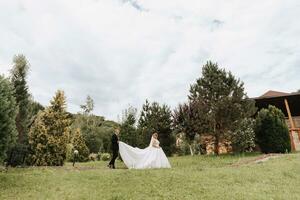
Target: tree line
x: 217, y: 105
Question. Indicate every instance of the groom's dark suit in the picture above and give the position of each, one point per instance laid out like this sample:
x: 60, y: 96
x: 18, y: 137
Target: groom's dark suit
x: 115, y: 149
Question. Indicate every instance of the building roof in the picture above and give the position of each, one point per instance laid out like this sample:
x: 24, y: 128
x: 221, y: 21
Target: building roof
x: 277, y: 99
x: 272, y: 93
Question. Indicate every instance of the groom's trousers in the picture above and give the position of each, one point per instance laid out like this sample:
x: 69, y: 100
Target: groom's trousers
x: 114, y: 157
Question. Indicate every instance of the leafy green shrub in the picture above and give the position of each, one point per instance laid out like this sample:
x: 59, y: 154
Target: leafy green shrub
x: 271, y: 131
x: 243, y: 139
x: 93, y: 157
x: 105, y: 156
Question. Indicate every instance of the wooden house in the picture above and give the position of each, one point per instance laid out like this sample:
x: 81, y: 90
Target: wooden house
x: 289, y: 104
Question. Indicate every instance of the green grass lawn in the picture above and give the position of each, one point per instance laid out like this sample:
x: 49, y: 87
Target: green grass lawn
x: 198, y: 177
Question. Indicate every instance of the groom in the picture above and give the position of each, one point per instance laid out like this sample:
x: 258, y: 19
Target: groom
x: 115, y: 148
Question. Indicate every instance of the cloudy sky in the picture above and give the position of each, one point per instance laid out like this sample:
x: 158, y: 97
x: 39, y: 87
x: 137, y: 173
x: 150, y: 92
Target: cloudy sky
x: 123, y: 51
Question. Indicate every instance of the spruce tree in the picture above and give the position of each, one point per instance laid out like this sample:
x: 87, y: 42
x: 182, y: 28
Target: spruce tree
x: 8, y: 112
x: 156, y: 118
x: 18, y: 78
x: 221, y: 100
x: 128, y: 133
x: 49, y: 135
x: 79, y: 145
x: 146, y: 123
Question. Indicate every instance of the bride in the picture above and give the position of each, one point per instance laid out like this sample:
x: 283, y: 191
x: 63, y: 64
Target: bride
x: 151, y: 157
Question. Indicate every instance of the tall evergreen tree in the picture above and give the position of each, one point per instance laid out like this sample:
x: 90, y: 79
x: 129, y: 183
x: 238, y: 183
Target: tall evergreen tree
x: 18, y: 78
x: 49, y: 134
x: 156, y: 118
x: 222, y: 101
x: 128, y: 131
x: 8, y: 112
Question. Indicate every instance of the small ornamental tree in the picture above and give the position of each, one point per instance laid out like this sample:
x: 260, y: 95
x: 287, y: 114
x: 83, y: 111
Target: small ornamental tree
x: 271, y: 131
x: 243, y: 139
x: 49, y: 134
x: 8, y: 112
x: 38, y: 139
x: 79, y: 145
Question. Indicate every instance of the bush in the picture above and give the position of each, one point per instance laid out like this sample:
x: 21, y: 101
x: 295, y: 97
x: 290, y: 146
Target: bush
x: 93, y: 157
x: 183, y: 149
x: 105, y: 156
x: 243, y: 139
x: 271, y: 131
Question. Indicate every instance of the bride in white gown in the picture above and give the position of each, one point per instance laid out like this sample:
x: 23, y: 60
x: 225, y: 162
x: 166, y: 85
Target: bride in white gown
x: 151, y: 157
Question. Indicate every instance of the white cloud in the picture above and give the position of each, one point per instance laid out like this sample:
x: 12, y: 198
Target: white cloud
x: 123, y: 51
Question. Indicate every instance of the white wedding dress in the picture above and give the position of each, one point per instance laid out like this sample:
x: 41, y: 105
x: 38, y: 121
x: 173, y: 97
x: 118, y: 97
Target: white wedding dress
x: 150, y: 157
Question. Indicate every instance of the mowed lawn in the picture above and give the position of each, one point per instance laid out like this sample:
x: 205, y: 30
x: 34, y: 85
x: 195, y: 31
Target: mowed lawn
x: 198, y: 177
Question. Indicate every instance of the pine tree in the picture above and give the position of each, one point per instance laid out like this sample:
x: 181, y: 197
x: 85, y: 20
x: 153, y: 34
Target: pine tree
x: 128, y: 133
x: 221, y: 100
x: 146, y: 124
x: 8, y: 112
x: 18, y: 78
x: 79, y: 145
x: 156, y: 118
x: 49, y: 135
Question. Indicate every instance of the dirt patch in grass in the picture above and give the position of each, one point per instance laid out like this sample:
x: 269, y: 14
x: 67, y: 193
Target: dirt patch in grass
x: 256, y: 160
